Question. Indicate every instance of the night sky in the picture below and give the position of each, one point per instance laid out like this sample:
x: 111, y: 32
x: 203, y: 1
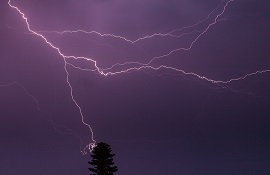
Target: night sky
x: 205, y: 113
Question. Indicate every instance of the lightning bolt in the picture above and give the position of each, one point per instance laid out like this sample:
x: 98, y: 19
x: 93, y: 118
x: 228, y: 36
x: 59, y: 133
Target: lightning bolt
x: 135, y: 65
x: 91, y: 145
x: 59, y: 128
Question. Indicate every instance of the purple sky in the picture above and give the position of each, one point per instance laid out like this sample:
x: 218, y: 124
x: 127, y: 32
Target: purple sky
x: 157, y: 122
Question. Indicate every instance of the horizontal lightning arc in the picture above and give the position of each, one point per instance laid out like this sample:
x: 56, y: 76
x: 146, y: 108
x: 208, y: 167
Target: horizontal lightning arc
x: 170, y: 34
x: 101, y: 70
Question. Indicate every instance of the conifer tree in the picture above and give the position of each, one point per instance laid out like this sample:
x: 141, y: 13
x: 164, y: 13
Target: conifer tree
x: 102, y: 160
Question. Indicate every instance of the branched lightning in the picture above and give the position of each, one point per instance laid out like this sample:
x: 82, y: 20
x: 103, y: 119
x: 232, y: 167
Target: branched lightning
x: 59, y: 128
x: 91, y: 145
x: 25, y: 91
x: 135, y: 65
x: 146, y: 64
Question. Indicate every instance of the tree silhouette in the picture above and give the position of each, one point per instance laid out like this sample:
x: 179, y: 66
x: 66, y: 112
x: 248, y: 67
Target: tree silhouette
x: 102, y: 160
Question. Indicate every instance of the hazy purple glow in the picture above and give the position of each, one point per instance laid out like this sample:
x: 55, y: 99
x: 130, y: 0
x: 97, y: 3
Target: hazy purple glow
x: 146, y: 62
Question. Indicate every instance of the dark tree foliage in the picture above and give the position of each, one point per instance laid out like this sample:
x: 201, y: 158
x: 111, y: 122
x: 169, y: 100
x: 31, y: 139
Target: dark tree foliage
x: 102, y: 160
